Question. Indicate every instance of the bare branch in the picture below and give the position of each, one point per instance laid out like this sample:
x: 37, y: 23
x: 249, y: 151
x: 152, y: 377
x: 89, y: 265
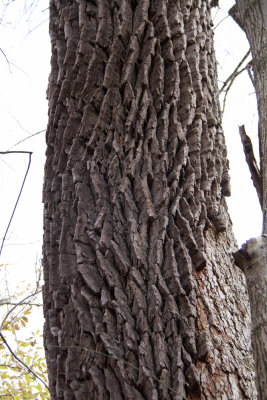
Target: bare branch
x: 16, y: 305
x: 8, y: 63
x: 219, y: 23
x: 27, y: 138
x: 229, y: 87
x: 8, y: 303
x: 16, y: 152
x: 235, y: 73
x: 22, y: 186
x: 22, y: 362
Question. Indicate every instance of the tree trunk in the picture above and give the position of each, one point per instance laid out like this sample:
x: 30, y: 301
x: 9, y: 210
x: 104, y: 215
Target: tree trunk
x: 252, y: 17
x: 142, y: 299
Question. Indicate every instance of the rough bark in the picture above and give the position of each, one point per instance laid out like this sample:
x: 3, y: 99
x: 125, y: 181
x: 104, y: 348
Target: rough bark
x: 252, y: 260
x: 141, y: 296
x: 252, y: 17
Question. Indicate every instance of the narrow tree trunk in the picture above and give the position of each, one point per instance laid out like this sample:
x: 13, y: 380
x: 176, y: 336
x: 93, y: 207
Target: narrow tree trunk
x: 141, y: 297
x: 252, y: 17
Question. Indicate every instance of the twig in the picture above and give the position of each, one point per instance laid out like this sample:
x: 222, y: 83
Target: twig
x: 8, y: 303
x: 28, y: 137
x: 233, y: 75
x: 16, y: 152
x: 216, y: 26
x: 8, y: 63
x: 22, y: 362
x: 229, y: 87
x: 252, y: 163
x: 16, y: 305
x: 22, y: 186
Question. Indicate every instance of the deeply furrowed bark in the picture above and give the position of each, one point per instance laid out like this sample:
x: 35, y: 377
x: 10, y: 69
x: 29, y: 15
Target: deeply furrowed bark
x: 141, y: 299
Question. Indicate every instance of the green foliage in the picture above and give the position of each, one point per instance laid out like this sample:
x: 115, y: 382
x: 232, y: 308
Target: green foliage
x: 16, y: 380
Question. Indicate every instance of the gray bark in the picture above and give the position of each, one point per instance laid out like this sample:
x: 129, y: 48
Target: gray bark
x: 141, y: 296
x: 252, y: 17
x: 252, y: 260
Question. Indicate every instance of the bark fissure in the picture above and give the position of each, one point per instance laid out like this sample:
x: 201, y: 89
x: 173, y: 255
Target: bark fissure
x: 135, y: 180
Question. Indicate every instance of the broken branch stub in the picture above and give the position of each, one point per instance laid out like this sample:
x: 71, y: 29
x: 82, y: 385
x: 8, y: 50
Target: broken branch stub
x: 252, y: 163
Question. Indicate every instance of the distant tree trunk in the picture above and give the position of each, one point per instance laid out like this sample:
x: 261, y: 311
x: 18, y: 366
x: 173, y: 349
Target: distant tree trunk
x: 252, y: 257
x: 142, y: 299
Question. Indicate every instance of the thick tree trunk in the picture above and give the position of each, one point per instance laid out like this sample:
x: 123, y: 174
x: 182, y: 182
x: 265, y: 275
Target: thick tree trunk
x: 141, y: 297
x: 252, y: 17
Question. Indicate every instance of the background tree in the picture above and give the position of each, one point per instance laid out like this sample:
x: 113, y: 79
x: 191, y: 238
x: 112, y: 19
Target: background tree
x: 252, y: 18
x: 142, y: 299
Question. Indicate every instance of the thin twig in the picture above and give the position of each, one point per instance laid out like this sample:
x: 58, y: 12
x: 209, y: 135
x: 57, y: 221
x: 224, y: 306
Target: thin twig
x: 27, y: 138
x: 233, y: 75
x: 22, y: 186
x: 8, y: 303
x: 229, y: 87
x: 8, y: 63
x: 16, y: 305
x: 16, y: 152
x: 33, y: 29
x: 216, y: 26
x: 22, y: 362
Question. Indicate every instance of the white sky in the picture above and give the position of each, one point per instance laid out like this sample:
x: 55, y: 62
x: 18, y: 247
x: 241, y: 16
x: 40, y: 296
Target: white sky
x: 23, y: 111
x: 241, y: 108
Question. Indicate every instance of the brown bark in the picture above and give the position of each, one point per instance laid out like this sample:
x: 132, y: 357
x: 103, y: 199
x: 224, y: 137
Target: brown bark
x: 141, y: 299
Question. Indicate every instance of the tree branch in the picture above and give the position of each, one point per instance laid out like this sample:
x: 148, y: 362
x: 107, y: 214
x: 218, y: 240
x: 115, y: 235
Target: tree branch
x: 22, y: 302
x: 22, y: 186
x: 8, y: 303
x: 27, y: 138
x: 235, y: 73
x: 8, y: 63
x: 22, y: 362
